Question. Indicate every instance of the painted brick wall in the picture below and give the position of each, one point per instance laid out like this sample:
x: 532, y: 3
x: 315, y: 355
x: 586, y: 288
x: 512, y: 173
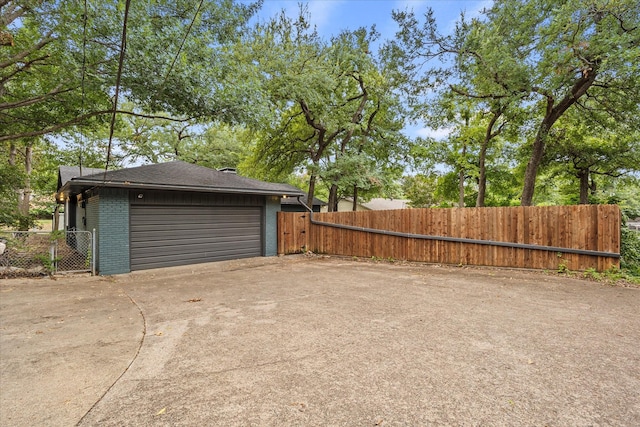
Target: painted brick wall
x: 272, y: 207
x: 113, y: 232
x: 91, y: 213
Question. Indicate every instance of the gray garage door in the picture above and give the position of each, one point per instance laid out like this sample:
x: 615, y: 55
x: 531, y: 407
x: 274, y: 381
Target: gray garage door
x: 164, y: 236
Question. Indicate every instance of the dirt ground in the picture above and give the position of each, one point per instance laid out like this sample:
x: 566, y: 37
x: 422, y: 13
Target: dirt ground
x: 319, y: 342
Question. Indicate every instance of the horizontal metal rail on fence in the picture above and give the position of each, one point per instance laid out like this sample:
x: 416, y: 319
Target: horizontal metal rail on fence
x: 459, y: 239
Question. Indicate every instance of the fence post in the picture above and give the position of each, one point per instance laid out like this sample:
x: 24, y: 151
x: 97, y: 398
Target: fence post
x: 52, y: 255
x: 93, y: 252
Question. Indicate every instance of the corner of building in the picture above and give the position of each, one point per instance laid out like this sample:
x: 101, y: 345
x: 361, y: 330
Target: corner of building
x: 271, y: 209
x: 113, y: 255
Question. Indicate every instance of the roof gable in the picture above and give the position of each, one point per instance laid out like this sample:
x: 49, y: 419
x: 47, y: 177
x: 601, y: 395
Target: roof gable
x: 66, y: 173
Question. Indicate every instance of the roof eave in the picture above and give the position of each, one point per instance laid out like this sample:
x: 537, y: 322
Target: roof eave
x: 82, y: 185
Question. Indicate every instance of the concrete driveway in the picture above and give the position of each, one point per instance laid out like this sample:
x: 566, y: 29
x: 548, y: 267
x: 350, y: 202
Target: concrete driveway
x: 319, y: 342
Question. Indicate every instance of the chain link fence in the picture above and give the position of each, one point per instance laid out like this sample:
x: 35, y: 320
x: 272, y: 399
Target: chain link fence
x: 37, y: 253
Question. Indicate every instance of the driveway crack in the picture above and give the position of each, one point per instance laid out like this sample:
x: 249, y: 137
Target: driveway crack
x: 141, y: 342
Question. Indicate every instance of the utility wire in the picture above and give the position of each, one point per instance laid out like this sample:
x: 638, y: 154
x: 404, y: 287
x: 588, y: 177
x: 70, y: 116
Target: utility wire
x: 175, y: 58
x: 84, y: 64
x: 186, y: 34
x: 123, y: 48
x: 121, y: 60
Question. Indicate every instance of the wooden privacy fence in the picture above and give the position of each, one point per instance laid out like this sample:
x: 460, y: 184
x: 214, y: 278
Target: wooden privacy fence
x: 550, y: 237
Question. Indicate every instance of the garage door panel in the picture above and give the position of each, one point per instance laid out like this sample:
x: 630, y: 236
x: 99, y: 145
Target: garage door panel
x: 163, y: 236
x: 175, y: 241
x: 195, y: 230
x: 204, y: 254
x: 171, y: 211
x: 201, y: 251
x: 159, y: 247
x: 172, y: 260
x: 203, y: 219
x: 146, y: 234
x: 194, y: 225
x: 191, y: 223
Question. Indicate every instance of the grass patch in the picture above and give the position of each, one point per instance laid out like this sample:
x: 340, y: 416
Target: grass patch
x: 613, y: 276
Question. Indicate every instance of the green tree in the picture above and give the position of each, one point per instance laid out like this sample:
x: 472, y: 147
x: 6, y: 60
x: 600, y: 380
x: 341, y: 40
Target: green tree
x: 587, y: 150
x: 219, y: 146
x: 329, y: 100
x: 29, y: 178
x: 545, y: 55
x: 10, y: 181
x: 421, y: 190
x: 61, y: 67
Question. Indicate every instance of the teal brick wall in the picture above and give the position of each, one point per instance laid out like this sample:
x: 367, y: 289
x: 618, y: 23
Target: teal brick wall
x: 271, y: 209
x: 91, y: 213
x: 113, y: 232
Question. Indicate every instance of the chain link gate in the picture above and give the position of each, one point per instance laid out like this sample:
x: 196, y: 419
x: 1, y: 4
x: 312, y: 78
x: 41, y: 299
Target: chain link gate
x: 34, y: 253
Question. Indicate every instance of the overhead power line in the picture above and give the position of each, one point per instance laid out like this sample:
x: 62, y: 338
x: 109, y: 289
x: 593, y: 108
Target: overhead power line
x: 84, y: 66
x: 186, y: 34
x: 123, y: 48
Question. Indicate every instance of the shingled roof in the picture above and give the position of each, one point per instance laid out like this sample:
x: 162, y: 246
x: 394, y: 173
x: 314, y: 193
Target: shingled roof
x: 66, y: 173
x: 177, y: 175
x: 290, y: 201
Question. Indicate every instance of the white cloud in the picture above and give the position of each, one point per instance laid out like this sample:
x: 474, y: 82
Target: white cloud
x: 425, y: 132
x: 320, y: 11
x: 478, y: 8
x: 415, y: 5
x: 470, y: 13
x: 437, y: 134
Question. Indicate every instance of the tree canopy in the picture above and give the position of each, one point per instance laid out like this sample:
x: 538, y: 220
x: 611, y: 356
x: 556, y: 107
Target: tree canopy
x: 334, y: 114
x: 544, y: 56
x: 60, y: 67
x: 538, y: 100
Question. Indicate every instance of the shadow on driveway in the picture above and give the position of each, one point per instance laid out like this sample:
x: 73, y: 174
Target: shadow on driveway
x: 319, y: 341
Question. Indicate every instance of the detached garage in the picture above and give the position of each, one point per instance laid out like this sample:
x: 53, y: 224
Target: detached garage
x: 172, y: 214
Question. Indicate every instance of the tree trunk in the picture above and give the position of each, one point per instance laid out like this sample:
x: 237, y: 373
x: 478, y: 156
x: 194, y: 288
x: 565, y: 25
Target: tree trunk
x: 355, y: 198
x: 13, y: 152
x: 461, y: 177
x: 583, y: 174
x: 461, y: 190
x: 25, y: 193
x: 553, y: 113
x: 488, y: 136
x: 56, y: 218
x: 482, y: 176
x: 333, y: 198
x: 312, y: 189
x: 531, y: 172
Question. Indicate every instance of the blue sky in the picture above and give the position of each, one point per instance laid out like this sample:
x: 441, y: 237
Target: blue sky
x: 332, y: 16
